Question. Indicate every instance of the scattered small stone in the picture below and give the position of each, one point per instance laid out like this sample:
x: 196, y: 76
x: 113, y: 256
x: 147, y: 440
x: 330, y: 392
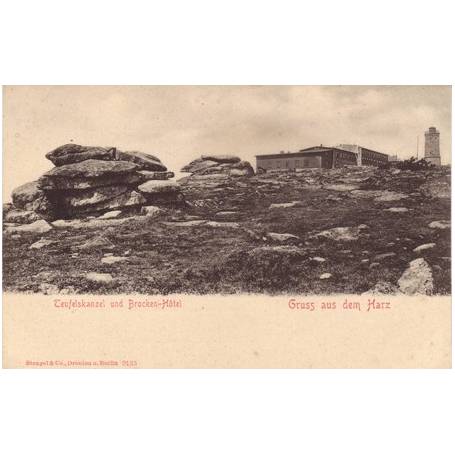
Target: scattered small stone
x: 277, y: 237
x: 64, y: 223
x: 99, y: 277
x: 227, y: 215
x: 49, y: 289
x: 397, y: 209
x: 285, y: 205
x: 426, y: 246
x: 41, y: 244
x: 373, y: 265
x: 380, y: 257
x: 184, y: 223
x: 342, y: 234
x: 97, y: 243
x: 151, y: 211
x: 113, y: 259
x: 390, y: 196
x: 318, y: 259
x: 443, y: 224
x: 68, y: 290
x: 417, y: 278
x: 109, y: 215
x: 325, y: 276
x: 225, y: 224
x: 341, y: 187
x: 382, y: 287
x: 379, y: 195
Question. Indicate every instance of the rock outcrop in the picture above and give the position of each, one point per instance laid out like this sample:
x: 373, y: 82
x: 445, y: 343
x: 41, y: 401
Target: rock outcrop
x: 92, y: 181
x: 219, y: 166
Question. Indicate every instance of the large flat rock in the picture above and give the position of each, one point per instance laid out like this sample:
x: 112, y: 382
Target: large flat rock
x: 143, y: 161
x: 89, y: 174
x: 159, y: 186
x: 199, y: 165
x: 221, y: 158
x: 74, y: 153
x: 37, y: 227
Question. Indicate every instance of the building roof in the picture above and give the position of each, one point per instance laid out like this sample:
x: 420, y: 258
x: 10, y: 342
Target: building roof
x: 303, y: 152
x: 314, y: 150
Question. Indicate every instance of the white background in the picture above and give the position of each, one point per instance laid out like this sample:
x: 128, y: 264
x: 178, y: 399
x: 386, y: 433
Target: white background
x: 210, y: 42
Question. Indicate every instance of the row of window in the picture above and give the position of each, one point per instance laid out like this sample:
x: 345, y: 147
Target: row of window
x: 374, y: 156
x: 289, y: 164
x: 316, y: 162
x: 371, y: 161
x: 346, y: 156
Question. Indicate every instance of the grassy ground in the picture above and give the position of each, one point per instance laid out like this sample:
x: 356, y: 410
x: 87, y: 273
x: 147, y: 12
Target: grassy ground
x: 165, y: 258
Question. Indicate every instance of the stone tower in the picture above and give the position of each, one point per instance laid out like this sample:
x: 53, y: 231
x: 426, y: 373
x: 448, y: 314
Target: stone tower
x: 432, y: 146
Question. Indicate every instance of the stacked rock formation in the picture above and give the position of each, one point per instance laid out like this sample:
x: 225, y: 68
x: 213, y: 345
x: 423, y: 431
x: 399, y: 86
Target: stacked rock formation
x: 94, y: 180
x: 218, y: 166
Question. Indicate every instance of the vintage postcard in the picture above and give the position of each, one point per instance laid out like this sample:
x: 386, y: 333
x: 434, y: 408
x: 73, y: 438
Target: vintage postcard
x: 226, y: 227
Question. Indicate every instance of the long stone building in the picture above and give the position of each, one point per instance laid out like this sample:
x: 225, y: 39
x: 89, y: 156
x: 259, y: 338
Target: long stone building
x: 320, y: 157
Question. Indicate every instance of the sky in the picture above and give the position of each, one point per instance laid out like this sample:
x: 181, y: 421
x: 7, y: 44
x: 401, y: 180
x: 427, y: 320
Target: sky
x: 180, y: 123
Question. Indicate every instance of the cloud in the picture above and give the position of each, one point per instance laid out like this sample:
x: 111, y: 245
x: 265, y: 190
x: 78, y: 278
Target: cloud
x: 179, y: 123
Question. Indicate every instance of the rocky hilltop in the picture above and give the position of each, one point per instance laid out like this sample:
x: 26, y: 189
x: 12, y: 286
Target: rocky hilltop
x: 351, y: 230
x: 93, y: 180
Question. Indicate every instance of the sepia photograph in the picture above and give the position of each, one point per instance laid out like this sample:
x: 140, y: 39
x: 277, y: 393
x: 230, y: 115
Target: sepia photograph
x: 277, y: 190
x: 226, y: 227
